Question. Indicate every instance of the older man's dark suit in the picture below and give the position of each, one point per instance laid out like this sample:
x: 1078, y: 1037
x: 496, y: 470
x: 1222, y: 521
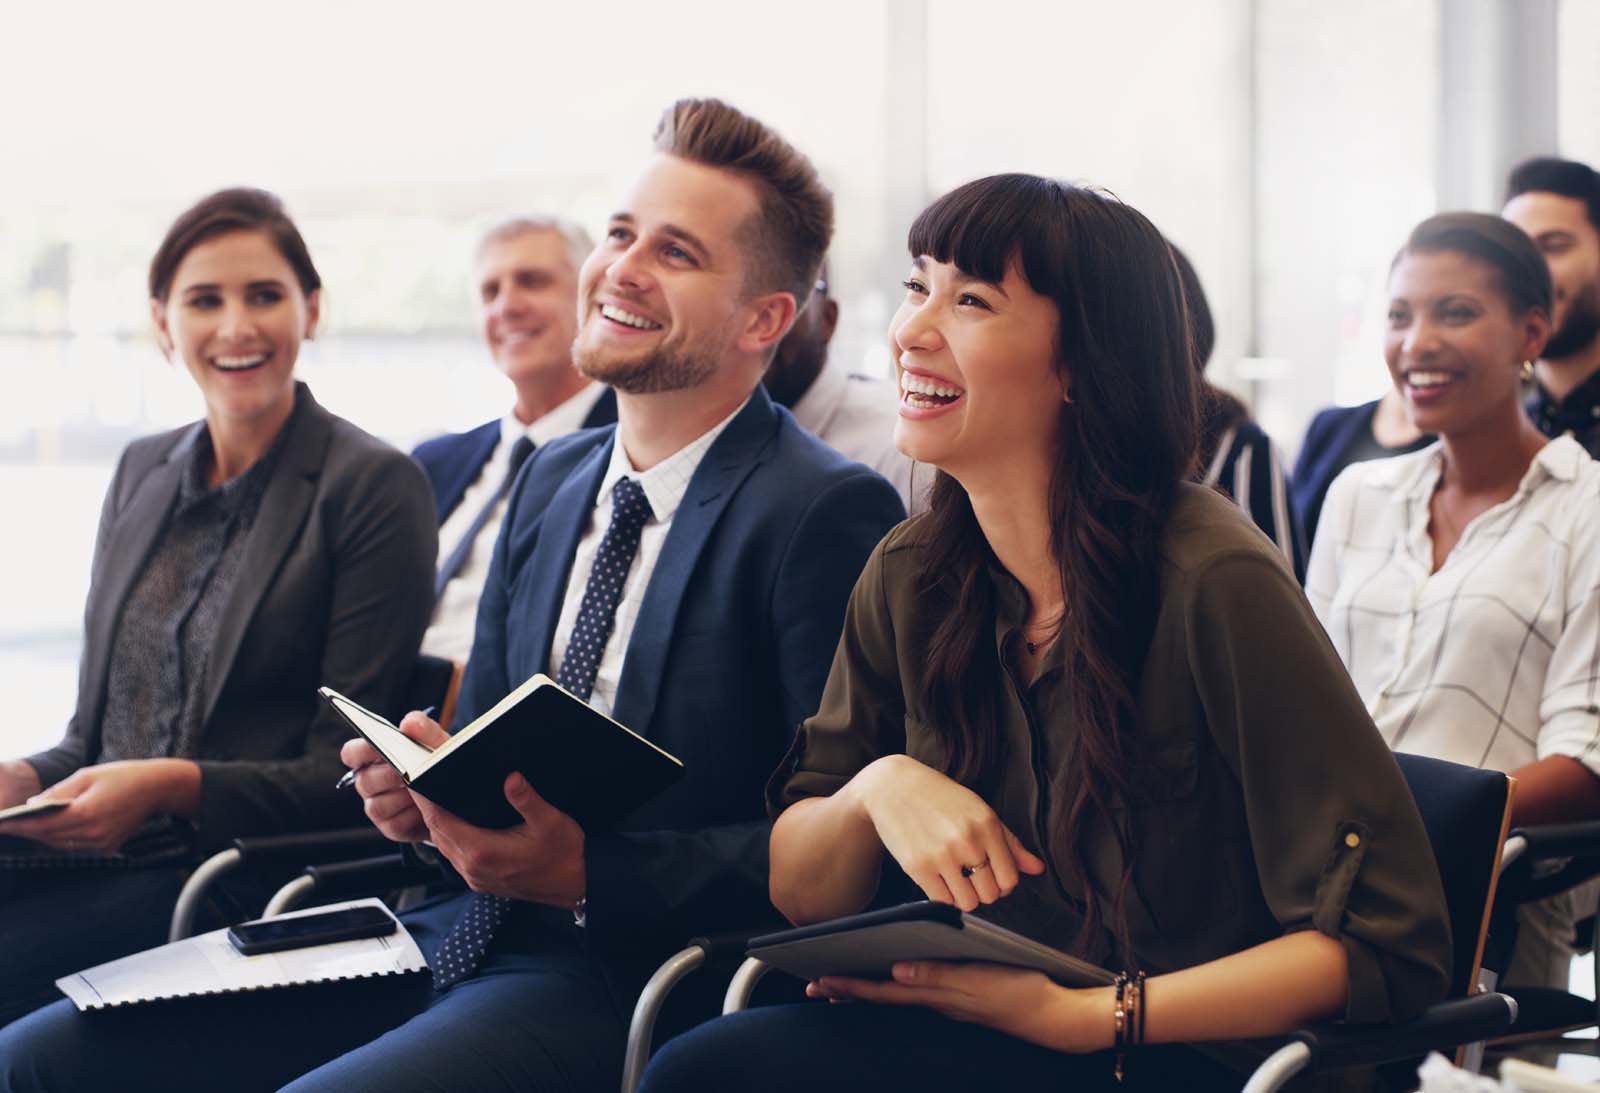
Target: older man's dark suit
x: 454, y: 461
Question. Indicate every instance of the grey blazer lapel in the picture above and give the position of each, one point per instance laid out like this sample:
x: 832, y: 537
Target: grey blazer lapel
x: 729, y: 462
x: 127, y: 548
x: 284, y: 508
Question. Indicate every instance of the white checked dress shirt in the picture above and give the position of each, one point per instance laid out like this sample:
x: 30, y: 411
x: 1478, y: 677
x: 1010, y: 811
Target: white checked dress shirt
x: 1493, y: 661
x: 664, y: 486
x: 855, y: 415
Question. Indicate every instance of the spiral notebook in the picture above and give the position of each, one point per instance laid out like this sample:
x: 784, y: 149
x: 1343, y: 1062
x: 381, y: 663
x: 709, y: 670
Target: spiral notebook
x: 158, y: 845
x: 208, y: 964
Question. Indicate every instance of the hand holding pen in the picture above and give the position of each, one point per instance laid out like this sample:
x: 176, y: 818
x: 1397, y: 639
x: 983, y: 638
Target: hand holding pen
x: 348, y: 779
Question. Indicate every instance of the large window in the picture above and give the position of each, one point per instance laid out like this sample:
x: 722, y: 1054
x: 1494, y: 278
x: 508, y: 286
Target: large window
x: 1286, y: 145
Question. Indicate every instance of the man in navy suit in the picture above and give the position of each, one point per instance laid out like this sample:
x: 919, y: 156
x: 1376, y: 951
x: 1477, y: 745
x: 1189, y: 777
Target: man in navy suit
x: 526, y: 286
x: 687, y: 572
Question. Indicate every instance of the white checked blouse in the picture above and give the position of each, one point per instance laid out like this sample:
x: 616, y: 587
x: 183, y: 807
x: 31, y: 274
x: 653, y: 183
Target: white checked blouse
x: 664, y: 486
x: 1494, y: 660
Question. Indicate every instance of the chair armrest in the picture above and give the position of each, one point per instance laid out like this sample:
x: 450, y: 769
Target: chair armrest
x: 1446, y: 1025
x: 1575, y: 846
x: 313, y: 847
x: 728, y: 946
x: 1559, y: 840
x: 369, y: 876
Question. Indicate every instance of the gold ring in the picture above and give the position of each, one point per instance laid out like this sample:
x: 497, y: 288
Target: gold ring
x: 969, y: 870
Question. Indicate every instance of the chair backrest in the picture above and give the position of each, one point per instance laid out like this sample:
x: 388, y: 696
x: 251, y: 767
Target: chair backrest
x: 1466, y: 811
x: 434, y: 681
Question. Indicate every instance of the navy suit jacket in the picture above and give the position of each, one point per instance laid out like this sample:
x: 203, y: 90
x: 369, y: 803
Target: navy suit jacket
x: 454, y: 461
x: 1330, y: 439
x: 729, y: 653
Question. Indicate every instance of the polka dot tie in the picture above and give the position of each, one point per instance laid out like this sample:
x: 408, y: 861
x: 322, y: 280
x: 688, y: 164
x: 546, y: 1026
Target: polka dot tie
x: 467, y: 943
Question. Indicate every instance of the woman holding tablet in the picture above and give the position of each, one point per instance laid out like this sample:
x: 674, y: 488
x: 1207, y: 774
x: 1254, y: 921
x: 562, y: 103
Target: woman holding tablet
x: 1086, y: 698
x: 241, y: 561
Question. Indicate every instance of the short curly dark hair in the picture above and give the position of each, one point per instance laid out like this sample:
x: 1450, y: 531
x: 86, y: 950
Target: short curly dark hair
x: 1567, y: 177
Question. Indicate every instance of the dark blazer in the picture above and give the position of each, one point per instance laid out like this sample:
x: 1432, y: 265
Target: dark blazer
x: 453, y: 461
x: 335, y: 589
x: 1333, y: 436
x: 729, y: 653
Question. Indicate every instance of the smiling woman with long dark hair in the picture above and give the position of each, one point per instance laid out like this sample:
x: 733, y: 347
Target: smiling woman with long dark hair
x: 1085, y: 697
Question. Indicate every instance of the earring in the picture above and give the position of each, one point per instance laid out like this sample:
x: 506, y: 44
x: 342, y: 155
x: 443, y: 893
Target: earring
x: 1527, y: 370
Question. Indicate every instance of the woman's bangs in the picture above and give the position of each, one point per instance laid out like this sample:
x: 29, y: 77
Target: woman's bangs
x: 980, y: 227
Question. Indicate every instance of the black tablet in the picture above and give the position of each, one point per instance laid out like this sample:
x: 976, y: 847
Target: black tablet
x: 867, y: 946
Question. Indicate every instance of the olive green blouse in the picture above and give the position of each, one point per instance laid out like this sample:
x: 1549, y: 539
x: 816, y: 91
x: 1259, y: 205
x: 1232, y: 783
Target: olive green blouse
x: 1265, y: 801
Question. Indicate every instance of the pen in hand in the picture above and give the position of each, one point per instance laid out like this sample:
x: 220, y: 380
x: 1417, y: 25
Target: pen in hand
x: 349, y: 777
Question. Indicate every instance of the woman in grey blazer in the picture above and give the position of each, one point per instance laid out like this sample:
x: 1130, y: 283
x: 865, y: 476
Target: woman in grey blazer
x: 241, y: 561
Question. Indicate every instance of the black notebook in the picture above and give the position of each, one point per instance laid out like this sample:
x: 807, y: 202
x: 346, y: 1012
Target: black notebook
x: 157, y: 843
x: 575, y: 757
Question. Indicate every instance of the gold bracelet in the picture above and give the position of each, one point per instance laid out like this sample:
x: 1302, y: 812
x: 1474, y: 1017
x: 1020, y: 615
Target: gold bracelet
x: 1120, y: 1014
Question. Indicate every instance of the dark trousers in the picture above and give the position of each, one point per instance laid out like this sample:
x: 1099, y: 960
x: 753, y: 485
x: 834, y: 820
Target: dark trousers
x: 54, y: 923
x: 536, y: 1017
x: 860, y: 1048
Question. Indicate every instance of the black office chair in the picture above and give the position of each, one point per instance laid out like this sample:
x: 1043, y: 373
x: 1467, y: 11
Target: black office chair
x: 1465, y: 811
x: 1540, y: 862
x: 331, y: 865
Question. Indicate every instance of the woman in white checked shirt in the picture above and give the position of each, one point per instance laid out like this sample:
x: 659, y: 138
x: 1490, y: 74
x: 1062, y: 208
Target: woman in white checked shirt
x: 1458, y: 583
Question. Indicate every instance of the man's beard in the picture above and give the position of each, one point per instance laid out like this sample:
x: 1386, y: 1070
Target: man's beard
x: 1580, y: 327
x: 670, y: 368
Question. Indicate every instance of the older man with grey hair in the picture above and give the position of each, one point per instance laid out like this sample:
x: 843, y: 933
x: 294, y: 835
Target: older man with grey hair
x: 525, y: 284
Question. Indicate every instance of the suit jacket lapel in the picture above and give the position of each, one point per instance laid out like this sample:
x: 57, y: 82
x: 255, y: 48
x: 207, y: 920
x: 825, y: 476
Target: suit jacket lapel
x: 604, y: 410
x: 731, y: 459
x: 283, y: 511
x: 134, y: 536
x: 566, y: 517
x: 477, y: 447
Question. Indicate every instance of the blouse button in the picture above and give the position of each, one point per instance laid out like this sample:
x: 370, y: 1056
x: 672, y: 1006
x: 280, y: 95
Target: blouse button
x: 1352, y: 840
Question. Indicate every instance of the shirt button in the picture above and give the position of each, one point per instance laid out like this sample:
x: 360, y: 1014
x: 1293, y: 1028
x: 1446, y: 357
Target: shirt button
x: 1352, y: 840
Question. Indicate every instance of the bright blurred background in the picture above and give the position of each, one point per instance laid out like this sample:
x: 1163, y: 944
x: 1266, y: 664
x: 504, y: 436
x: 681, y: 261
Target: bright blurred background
x: 1286, y: 145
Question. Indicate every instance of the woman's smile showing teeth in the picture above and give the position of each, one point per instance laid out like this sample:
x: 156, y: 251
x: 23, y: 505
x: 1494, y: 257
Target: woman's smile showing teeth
x: 628, y: 318
x: 1424, y: 384
x: 239, y: 363
x: 926, y: 393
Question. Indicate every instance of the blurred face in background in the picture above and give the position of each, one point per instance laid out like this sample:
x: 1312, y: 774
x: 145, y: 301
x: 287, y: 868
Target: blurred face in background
x: 527, y: 296
x: 236, y: 316
x: 1560, y: 227
x: 801, y: 355
x: 1453, y: 344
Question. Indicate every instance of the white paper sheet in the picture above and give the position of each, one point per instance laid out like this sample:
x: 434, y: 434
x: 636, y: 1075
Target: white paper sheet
x: 208, y: 964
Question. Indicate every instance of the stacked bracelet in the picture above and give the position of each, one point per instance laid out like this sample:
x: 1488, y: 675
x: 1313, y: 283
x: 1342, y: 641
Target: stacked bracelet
x: 1128, y: 1013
